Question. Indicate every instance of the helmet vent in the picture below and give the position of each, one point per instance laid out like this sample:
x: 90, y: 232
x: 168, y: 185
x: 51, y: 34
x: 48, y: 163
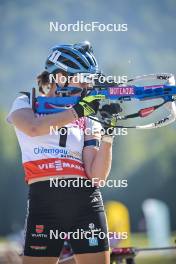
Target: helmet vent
x: 94, y: 60
x: 75, y: 56
x: 89, y: 60
x: 70, y: 64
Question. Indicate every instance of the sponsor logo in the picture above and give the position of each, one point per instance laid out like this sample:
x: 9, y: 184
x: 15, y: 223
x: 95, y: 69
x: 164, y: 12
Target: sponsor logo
x: 39, y: 235
x: 52, y: 151
x: 91, y: 226
x: 74, y: 166
x: 73, y: 155
x: 94, y: 200
x: 153, y: 87
x: 39, y: 229
x: 38, y: 247
x: 93, y: 242
x: 63, y: 153
x: 58, y: 165
x: 121, y: 90
x: 52, y: 165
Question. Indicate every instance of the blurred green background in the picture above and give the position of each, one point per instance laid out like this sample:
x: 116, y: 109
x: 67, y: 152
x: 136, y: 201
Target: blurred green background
x: 145, y: 158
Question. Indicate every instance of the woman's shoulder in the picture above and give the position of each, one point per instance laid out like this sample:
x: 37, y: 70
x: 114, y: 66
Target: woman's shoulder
x: 22, y: 101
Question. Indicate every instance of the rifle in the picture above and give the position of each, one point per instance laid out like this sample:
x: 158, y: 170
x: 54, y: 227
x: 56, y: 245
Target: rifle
x: 118, y: 255
x: 118, y: 92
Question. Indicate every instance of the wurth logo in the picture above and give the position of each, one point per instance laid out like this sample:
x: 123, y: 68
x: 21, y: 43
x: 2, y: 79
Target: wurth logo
x: 39, y: 228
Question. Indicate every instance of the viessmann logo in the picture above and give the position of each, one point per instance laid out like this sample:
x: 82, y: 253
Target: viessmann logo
x: 59, y: 165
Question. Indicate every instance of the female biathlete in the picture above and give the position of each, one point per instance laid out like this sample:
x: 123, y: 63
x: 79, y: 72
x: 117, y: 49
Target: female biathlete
x: 53, y: 209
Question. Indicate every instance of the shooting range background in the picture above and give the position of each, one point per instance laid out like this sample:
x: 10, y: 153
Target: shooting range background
x: 145, y: 158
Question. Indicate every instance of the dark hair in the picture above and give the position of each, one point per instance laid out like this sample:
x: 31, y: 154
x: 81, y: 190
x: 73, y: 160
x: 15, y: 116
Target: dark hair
x: 44, y: 80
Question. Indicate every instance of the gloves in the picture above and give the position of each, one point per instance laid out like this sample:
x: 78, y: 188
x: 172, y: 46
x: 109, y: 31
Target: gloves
x: 88, y: 105
x: 108, y: 114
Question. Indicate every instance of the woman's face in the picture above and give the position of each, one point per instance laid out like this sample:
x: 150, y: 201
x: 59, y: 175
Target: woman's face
x: 72, y: 83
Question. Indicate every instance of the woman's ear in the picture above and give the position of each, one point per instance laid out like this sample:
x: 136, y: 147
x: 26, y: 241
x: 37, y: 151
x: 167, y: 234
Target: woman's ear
x: 61, y: 79
x: 52, y: 90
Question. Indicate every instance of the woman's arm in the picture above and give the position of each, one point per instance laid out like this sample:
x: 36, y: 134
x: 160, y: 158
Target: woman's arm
x: 26, y: 121
x: 97, y: 162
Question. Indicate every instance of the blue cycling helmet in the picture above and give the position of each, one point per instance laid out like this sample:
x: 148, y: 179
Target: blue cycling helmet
x: 73, y: 58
